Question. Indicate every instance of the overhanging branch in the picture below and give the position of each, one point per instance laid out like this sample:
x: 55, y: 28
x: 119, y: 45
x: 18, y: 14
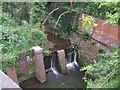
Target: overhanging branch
x: 49, y: 15
x: 60, y: 17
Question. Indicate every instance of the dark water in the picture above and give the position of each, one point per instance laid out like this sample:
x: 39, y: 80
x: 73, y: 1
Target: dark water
x: 71, y: 80
x: 58, y: 42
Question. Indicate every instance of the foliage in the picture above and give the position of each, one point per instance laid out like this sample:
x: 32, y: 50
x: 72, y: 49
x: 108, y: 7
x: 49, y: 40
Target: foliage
x: 6, y: 20
x: 105, y: 73
x: 33, y: 12
x: 38, y: 36
x: 112, y: 18
x: 67, y: 23
x: 102, y: 10
x: 17, y: 39
x: 38, y: 11
x: 47, y: 53
x: 108, y: 11
x: 88, y: 23
x: 17, y: 10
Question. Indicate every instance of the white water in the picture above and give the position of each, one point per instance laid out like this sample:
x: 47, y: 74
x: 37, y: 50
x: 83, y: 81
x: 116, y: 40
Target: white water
x: 72, y: 64
x: 75, y: 58
x: 52, y: 68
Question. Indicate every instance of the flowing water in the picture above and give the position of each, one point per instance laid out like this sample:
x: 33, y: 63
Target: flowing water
x: 73, y: 79
x: 53, y: 64
x: 73, y: 63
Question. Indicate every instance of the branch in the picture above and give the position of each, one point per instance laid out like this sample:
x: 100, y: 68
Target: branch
x: 49, y: 15
x: 107, y: 78
x: 72, y: 10
x: 60, y: 17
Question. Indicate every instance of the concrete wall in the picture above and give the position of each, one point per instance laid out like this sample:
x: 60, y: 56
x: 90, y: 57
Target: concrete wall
x: 6, y: 82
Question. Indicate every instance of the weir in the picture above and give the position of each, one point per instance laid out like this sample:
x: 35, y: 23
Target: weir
x: 61, y: 68
x: 54, y: 76
x: 70, y: 61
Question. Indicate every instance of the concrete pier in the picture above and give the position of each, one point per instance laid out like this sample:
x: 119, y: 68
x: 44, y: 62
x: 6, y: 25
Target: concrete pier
x: 7, y: 83
x: 12, y: 74
x: 62, y: 61
x: 40, y: 72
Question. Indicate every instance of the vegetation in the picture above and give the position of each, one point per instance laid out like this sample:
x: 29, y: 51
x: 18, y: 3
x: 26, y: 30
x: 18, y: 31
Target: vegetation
x: 58, y: 14
x: 106, y: 10
x: 47, y: 53
x: 87, y: 24
x: 69, y: 12
x: 105, y: 73
x: 18, y: 39
x: 24, y: 78
x: 22, y: 26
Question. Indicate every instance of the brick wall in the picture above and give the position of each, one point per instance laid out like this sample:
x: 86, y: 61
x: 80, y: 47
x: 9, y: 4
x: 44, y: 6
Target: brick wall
x: 106, y: 33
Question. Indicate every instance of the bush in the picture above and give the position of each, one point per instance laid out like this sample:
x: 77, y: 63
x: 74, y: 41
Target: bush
x: 6, y: 20
x: 105, y: 73
x: 15, y: 40
x: 104, y: 10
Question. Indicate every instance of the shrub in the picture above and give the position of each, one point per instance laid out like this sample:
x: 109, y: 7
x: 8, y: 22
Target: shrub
x: 17, y: 39
x: 105, y: 73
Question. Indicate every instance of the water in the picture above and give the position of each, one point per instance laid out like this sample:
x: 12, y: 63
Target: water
x: 71, y: 64
x: 73, y: 79
x: 75, y: 58
x: 58, y: 42
x: 52, y: 68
